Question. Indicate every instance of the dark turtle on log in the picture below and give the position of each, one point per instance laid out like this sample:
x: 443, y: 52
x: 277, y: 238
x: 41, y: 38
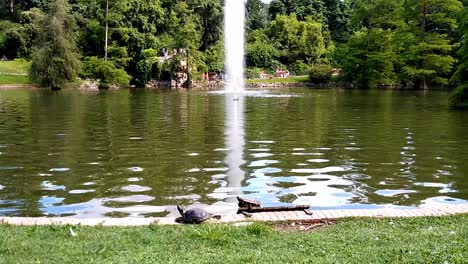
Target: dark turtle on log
x: 194, y: 216
x: 246, y: 202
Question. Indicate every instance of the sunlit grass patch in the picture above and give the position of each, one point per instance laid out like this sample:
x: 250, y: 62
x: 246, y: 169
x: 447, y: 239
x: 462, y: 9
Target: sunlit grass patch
x: 293, y: 79
x: 14, y: 79
x: 14, y: 67
x: 418, y: 240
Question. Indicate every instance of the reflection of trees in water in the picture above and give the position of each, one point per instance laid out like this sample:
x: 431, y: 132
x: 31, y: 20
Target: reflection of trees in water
x: 172, y: 137
x: 380, y: 138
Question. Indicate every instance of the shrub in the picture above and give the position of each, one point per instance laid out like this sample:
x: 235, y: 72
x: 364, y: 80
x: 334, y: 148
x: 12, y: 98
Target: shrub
x: 320, y: 73
x: 459, y: 97
x: 253, y: 73
x: 300, y: 68
x: 105, y: 71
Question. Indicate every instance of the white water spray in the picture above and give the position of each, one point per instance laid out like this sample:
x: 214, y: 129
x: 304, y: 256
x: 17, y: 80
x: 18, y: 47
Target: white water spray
x: 234, y: 39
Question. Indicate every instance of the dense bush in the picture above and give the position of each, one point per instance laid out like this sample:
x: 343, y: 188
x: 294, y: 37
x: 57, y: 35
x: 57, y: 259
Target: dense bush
x: 300, y: 68
x: 320, y: 73
x: 253, y: 73
x: 105, y: 71
x: 459, y: 97
x: 13, y: 41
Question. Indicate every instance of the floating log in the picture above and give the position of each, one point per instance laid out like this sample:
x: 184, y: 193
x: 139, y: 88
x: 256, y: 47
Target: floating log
x: 272, y: 209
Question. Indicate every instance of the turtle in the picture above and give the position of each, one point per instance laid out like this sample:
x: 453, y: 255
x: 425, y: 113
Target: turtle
x: 194, y: 216
x: 246, y: 202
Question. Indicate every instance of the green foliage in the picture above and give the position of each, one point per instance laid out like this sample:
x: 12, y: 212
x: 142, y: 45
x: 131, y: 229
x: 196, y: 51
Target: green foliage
x: 261, y: 52
x: 106, y: 72
x: 320, y: 73
x: 337, y: 15
x: 301, y: 8
x: 16, y: 38
x: 298, y: 40
x: 370, y: 58
x: 428, y: 59
x: 147, y: 66
x: 459, y: 97
x: 378, y: 41
x: 253, y: 73
x: 55, y: 60
x: 257, y: 15
x: 300, y: 68
x: 215, y: 58
x: 378, y: 14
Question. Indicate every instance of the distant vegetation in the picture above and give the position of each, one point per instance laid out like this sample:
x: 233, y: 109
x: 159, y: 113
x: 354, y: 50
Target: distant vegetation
x: 373, y: 42
x: 459, y: 97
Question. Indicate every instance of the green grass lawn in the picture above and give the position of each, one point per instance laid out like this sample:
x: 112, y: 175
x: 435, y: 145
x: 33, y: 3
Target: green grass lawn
x: 14, y: 67
x: 14, y: 72
x: 293, y: 79
x: 421, y: 240
x: 14, y: 79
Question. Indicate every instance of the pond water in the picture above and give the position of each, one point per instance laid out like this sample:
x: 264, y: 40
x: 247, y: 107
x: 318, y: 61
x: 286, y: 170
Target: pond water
x: 139, y: 153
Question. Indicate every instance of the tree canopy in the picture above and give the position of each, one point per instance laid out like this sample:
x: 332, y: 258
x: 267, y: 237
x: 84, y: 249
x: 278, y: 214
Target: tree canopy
x: 373, y: 42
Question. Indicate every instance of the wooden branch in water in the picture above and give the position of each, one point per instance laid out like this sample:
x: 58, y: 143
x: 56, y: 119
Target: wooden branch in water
x: 272, y: 209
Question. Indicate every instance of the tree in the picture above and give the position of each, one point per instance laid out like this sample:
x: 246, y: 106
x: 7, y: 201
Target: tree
x: 257, y: 15
x: 337, y: 15
x: 260, y: 51
x: 211, y: 17
x: 55, y: 60
x: 428, y: 59
x: 298, y: 40
x: 301, y: 8
x: 459, y: 97
x: 371, y: 56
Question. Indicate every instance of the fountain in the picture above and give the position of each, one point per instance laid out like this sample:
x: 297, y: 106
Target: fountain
x: 234, y: 39
x: 234, y: 47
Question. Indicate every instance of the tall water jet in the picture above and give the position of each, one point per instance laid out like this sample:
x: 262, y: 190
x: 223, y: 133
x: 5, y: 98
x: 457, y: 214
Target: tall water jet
x: 234, y: 39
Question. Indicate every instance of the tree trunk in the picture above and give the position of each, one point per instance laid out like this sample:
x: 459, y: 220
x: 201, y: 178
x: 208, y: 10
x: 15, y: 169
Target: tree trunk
x: 188, y: 84
x: 12, y: 6
x: 423, y: 84
x: 107, y: 30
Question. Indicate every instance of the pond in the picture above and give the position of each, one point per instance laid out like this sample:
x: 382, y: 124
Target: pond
x: 140, y: 152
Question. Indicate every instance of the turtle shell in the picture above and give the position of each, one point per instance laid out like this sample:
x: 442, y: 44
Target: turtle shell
x: 246, y: 202
x: 195, y: 215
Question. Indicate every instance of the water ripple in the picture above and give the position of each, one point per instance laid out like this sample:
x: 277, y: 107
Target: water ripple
x: 59, y: 169
x: 319, y: 170
x: 136, y: 188
x: 81, y: 191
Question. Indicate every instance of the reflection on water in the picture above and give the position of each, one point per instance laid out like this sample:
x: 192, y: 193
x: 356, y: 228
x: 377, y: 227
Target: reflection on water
x: 139, y: 153
x: 235, y: 143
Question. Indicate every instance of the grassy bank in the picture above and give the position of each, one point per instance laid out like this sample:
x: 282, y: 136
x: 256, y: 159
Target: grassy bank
x: 293, y: 79
x: 14, y: 72
x: 421, y: 240
x: 13, y: 79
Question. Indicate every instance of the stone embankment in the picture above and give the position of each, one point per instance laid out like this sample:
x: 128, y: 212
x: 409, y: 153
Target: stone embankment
x: 220, y: 85
x: 318, y: 215
x: 293, y: 84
